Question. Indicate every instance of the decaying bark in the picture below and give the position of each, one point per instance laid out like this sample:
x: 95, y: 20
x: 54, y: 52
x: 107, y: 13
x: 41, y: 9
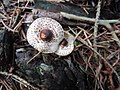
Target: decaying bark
x: 57, y: 16
x: 7, y: 51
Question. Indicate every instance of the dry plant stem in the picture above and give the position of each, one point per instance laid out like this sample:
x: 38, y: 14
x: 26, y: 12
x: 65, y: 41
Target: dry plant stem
x: 85, y: 33
x: 88, y: 61
x: 100, y: 34
x: 16, y: 18
x: 97, y: 75
x: 84, y: 42
x: 18, y: 79
x: 14, y: 86
x: 96, y: 26
x: 107, y: 38
x: 72, y: 30
x: 1, y: 87
x: 84, y: 30
x: 30, y: 8
x: 33, y: 57
x: 9, y: 29
x: 117, y: 27
x: 12, y: 18
x: 96, y: 21
x: 116, y: 61
x: 4, y: 8
x: 85, y: 10
x: 113, y: 34
x: 105, y: 23
x: 23, y: 34
x: 87, y: 39
x: 98, y: 69
x: 112, y: 55
x: 26, y: 5
x: 78, y: 34
x: 19, y: 24
x: 100, y: 46
x: 6, y: 85
x: 86, y: 19
x: 2, y: 16
x: 103, y: 42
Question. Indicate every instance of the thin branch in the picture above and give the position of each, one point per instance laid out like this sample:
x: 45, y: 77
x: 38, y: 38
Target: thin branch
x: 20, y: 23
x: 86, y: 19
x: 18, y: 79
x: 96, y: 26
x: 9, y: 29
x: 33, y: 57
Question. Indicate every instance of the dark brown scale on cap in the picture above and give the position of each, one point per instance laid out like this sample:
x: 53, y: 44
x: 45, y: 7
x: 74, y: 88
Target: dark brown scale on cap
x: 46, y: 35
x: 63, y: 43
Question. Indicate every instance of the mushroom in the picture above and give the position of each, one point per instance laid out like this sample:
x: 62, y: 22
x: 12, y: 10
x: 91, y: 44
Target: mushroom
x: 66, y: 49
x: 45, y: 34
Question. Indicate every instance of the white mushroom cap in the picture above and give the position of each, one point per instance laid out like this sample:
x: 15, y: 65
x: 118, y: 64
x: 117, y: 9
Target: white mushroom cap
x: 40, y: 24
x: 63, y: 51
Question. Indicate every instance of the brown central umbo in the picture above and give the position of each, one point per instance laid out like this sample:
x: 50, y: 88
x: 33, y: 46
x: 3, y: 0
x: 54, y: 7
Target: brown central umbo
x: 46, y: 35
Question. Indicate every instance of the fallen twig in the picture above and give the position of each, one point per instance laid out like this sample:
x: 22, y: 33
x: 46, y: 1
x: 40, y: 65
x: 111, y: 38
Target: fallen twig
x: 96, y: 26
x: 86, y: 19
x: 33, y: 57
x: 18, y: 79
x: 9, y: 29
x: 19, y: 24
